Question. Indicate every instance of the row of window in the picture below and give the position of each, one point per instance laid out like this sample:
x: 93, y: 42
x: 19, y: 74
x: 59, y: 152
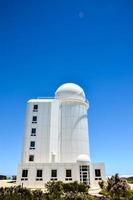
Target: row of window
x: 34, y: 118
x: 33, y: 132
x: 97, y: 171
x: 39, y: 174
x: 54, y: 173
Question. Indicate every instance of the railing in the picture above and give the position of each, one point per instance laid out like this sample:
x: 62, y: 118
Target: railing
x: 61, y: 98
x: 65, y: 99
x: 45, y: 97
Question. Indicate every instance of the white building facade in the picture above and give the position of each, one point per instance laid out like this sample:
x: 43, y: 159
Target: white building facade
x: 56, y: 142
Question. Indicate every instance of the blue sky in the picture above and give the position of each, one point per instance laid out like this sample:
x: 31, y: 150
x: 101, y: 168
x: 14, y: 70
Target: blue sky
x: 89, y: 42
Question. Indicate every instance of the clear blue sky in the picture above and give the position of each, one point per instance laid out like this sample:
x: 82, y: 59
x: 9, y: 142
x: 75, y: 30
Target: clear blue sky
x: 46, y: 43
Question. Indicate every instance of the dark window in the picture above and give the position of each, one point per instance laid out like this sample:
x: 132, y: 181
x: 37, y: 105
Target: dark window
x: 97, y: 172
x: 68, y: 173
x: 34, y: 119
x: 24, y: 173
x: 53, y: 173
x: 35, y: 108
x: 68, y: 179
x: 31, y: 157
x: 32, y: 144
x: 33, y: 132
x: 39, y: 173
x: 98, y: 179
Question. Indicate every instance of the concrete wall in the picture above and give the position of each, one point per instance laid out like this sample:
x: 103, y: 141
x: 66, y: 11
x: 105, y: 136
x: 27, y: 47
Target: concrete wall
x: 43, y: 127
x: 74, y: 130
x: 61, y: 173
x: 47, y: 167
x: 61, y: 139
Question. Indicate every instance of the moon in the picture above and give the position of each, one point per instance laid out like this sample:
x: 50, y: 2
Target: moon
x: 81, y: 14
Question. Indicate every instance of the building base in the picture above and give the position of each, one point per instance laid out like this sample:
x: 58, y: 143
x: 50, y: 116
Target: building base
x: 35, y: 176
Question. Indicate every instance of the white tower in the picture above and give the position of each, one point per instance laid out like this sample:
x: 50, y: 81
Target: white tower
x: 56, y: 144
x: 73, y: 123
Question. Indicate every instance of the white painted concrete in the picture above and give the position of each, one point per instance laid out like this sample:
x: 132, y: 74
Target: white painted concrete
x: 61, y: 139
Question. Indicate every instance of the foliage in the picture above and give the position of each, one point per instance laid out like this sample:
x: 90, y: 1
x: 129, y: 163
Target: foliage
x: 55, y: 191
x: 74, y: 190
x: 116, y: 188
x: 19, y: 193
x: 130, y: 180
x: 75, y: 187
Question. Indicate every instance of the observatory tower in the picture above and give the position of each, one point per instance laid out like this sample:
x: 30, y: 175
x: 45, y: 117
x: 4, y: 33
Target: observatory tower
x: 73, y: 123
x: 56, y: 142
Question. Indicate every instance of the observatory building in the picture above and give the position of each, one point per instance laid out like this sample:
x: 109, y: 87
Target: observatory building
x: 56, y: 141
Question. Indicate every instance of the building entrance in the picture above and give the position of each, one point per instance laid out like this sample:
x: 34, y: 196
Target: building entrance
x: 85, y: 174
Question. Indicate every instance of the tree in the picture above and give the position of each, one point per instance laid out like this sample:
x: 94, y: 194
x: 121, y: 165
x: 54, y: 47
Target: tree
x: 68, y: 191
x: 116, y: 188
x: 55, y: 190
x: 37, y: 195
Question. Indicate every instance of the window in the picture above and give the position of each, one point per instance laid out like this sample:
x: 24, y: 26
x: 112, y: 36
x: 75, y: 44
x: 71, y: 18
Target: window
x: 39, y: 175
x: 24, y: 175
x: 68, y: 175
x: 35, y: 108
x: 97, y: 172
x: 97, y: 179
x: 32, y: 145
x: 31, y: 157
x: 33, y: 132
x: 34, y: 119
x: 85, y: 174
x: 54, y: 174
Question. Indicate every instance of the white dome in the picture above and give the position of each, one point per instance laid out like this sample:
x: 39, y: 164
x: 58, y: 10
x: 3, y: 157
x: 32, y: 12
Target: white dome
x: 70, y: 90
x: 83, y: 158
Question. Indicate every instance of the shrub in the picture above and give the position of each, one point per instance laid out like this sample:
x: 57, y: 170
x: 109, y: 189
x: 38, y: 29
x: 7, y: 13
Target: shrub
x: 67, y: 191
x: 116, y: 188
x: 55, y: 191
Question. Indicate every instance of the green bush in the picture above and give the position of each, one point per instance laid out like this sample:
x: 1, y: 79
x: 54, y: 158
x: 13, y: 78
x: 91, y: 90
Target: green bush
x: 59, y: 190
x: 116, y: 189
x: 55, y: 191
